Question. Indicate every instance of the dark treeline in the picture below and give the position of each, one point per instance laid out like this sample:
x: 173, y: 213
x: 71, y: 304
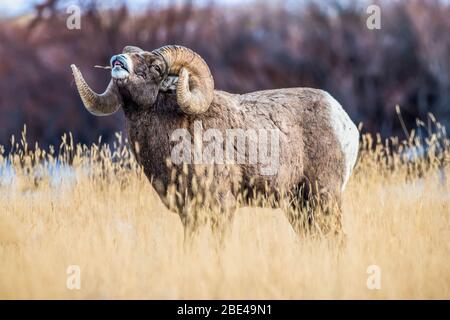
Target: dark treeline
x: 251, y: 47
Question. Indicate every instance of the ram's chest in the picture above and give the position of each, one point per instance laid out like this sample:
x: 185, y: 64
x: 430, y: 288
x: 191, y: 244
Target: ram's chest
x: 150, y: 141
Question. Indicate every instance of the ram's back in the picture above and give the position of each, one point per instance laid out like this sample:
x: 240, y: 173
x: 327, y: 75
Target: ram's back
x: 318, y: 141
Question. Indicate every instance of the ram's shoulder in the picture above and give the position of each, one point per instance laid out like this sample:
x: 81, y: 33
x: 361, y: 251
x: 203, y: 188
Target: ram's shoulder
x: 225, y: 99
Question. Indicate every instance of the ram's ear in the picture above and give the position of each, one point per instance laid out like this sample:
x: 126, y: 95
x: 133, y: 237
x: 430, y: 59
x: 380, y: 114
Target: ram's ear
x: 132, y: 49
x: 169, y: 83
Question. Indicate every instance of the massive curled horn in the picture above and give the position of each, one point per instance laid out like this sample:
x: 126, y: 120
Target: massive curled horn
x: 98, y: 104
x: 195, y: 88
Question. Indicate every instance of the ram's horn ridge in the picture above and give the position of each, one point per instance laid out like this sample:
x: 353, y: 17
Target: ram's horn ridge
x: 195, y: 88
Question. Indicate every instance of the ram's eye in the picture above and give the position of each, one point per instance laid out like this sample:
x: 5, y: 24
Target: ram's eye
x: 157, y: 68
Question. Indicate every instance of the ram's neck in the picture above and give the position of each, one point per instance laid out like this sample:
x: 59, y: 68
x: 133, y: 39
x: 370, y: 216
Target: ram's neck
x: 149, y: 131
x: 135, y: 109
x: 166, y: 103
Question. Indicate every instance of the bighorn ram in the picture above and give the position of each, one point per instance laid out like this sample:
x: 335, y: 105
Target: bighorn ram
x: 171, y: 88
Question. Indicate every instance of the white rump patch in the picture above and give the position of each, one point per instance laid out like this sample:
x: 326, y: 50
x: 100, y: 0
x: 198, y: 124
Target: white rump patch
x: 347, y: 134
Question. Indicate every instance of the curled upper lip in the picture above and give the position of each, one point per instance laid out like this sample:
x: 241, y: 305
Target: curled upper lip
x: 119, y: 61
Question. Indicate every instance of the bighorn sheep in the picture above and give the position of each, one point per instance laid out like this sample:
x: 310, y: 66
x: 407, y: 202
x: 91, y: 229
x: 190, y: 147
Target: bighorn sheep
x: 171, y: 88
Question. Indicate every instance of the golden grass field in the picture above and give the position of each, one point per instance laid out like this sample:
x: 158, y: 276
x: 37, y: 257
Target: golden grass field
x: 113, y: 226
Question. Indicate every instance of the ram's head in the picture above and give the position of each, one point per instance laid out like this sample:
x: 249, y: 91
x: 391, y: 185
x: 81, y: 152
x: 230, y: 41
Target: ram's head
x: 139, y: 75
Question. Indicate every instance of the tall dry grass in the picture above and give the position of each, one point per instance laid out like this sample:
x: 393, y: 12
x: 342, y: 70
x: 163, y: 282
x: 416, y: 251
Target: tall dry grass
x: 102, y: 215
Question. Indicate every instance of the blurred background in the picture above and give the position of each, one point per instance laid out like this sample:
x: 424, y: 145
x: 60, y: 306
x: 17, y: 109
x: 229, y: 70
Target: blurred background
x: 249, y: 45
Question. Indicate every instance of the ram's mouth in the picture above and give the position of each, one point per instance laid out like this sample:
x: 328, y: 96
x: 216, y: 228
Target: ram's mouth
x: 118, y: 63
x: 120, y: 67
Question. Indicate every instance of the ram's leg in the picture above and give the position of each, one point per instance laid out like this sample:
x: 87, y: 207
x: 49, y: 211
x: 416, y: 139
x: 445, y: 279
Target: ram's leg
x: 298, y: 209
x: 193, y: 214
x: 225, y: 217
x: 188, y: 227
x: 328, y: 212
x: 329, y: 220
x: 315, y: 210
